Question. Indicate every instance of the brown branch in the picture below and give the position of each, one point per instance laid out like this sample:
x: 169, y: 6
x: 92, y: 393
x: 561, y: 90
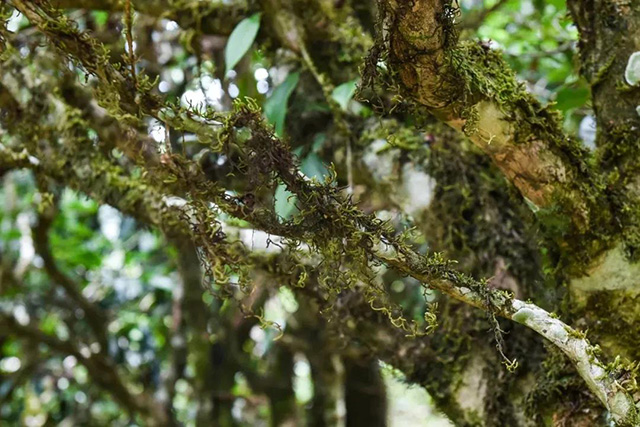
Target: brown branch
x: 214, y: 19
x: 470, y: 87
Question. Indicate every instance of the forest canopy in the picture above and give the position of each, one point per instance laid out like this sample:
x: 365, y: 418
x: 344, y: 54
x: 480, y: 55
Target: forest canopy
x: 320, y: 212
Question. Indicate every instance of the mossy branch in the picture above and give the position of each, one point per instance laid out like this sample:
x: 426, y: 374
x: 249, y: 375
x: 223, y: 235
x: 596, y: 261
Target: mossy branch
x: 469, y: 87
x: 328, y: 223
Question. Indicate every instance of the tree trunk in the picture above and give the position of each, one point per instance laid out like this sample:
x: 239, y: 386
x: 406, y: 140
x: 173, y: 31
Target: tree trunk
x: 365, y: 395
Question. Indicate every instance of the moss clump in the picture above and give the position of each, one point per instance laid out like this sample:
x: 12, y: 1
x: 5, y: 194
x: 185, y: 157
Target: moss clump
x: 556, y: 382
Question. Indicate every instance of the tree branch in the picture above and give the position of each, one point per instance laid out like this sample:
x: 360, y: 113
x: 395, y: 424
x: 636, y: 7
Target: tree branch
x: 470, y: 87
x: 572, y: 343
x: 211, y: 17
x: 609, y: 39
x: 95, y: 316
x: 100, y: 367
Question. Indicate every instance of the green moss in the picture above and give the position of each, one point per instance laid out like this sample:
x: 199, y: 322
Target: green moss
x: 476, y: 216
x: 619, y: 334
x: 471, y: 116
x: 556, y: 382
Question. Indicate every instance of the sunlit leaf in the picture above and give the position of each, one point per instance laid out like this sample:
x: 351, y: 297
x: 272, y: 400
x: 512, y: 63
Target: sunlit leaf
x: 313, y: 167
x: 275, y: 108
x: 343, y: 93
x: 240, y: 40
x: 284, y: 202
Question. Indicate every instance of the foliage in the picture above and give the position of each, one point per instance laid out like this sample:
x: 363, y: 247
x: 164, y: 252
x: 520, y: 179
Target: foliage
x: 240, y: 40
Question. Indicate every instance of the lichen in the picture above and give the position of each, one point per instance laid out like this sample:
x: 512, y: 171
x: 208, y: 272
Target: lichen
x: 632, y: 71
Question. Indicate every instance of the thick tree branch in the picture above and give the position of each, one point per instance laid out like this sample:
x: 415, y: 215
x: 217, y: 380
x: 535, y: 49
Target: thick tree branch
x: 470, y: 88
x: 609, y: 47
x: 214, y: 18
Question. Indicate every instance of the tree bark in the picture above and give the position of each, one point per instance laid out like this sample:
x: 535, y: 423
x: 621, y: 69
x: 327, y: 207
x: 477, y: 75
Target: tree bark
x: 365, y: 395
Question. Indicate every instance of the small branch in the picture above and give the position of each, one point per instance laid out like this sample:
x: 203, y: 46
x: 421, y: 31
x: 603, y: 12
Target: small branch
x: 573, y: 344
x: 128, y: 28
x: 96, y: 318
x: 100, y: 367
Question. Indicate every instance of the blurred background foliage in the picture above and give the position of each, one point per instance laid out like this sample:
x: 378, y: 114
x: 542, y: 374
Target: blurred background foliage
x: 131, y: 275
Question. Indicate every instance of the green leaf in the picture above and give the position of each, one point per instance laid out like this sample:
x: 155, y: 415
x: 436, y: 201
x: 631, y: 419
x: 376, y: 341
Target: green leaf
x: 284, y: 202
x: 313, y: 167
x: 275, y: 108
x: 343, y: 93
x: 318, y: 142
x: 240, y: 40
x: 572, y: 97
x: 101, y: 17
x: 558, y: 4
